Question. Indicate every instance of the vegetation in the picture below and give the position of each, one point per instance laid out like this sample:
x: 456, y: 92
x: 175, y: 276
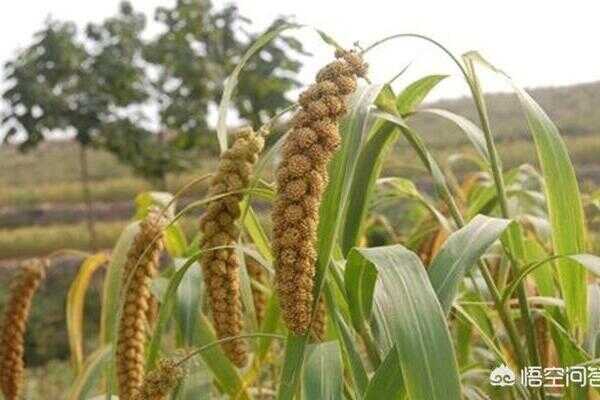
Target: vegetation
x: 426, y: 293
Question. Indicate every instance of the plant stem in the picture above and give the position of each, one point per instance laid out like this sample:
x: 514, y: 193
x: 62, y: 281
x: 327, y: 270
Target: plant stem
x: 501, y: 308
x: 501, y: 193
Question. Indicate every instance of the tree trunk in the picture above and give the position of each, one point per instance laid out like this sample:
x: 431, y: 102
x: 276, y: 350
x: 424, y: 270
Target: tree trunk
x: 87, y: 197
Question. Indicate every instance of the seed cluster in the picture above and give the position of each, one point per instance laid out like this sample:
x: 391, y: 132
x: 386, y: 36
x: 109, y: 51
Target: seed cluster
x: 301, y: 180
x: 160, y: 381
x: 259, y: 297
x: 22, y: 289
x: 139, y: 269
x: 221, y: 266
x: 319, y: 324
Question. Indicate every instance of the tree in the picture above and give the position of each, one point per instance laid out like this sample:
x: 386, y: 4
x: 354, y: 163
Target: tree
x: 198, y: 49
x: 59, y: 85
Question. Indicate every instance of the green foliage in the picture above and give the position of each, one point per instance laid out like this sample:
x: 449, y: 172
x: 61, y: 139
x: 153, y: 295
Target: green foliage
x: 424, y: 324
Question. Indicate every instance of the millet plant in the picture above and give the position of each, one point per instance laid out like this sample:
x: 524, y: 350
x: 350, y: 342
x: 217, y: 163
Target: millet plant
x: 425, y: 293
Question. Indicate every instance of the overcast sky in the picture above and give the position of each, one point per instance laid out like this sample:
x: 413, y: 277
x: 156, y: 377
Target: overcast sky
x: 538, y: 43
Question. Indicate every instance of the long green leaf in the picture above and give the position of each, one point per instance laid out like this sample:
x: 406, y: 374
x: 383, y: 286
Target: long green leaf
x: 416, y: 322
x: 473, y: 132
x: 460, y: 252
x: 368, y: 168
x: 564, y: 203
x: 323, y: 372
x: 91, y: 374
x: 414, y: 94
x: 112, y: 283
x: 189, y: 295
x: 386, y: 382
x: 359, y: 374
x: 232, y: 80
x: 168, y: 305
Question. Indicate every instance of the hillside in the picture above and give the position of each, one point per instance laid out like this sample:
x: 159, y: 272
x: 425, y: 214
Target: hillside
x: 574, y: 109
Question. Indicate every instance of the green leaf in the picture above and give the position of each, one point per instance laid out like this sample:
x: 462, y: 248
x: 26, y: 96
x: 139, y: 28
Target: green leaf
x: 328, y: 39
x: 564, y: 203
x: 386, y: 100
x: 564, y: 207
x: 386, y: 382
x: 112, y: 283
x: 348, y: 341
x: 415, y: 93
x: 473, y: 132
x: 232, y: 80
x: 161, y: 199
x: 323, y: 372
x: 223, y: 370
x: 368, y: 169
x: 588, y: 261
x: 360, y: 286
x: 91, y: 374
x: 168, y: 304
x: 176, y: 242
x: 415, y: 320
x: 439, y: 180
x: 460, y: 252
x: 189, y: 294
x: 257, y: 234
x: 592, y: 336
x: 269, y: 325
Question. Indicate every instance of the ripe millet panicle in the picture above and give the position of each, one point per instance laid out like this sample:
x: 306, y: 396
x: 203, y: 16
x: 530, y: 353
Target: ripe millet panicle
x: 138, y: 271
x: 218, y: 226
x: 160, y: 381
x: 302, y: 178
x: 12, y: 332
x: 259, y: 297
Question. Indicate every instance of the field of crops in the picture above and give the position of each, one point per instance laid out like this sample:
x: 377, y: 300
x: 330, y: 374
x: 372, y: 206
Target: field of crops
x: 355, y: 258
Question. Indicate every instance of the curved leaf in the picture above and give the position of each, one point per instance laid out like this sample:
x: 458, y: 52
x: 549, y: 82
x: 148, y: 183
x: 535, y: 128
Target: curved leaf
x: 91, y: 374
x: 112, y: 282
x: 232, y: 80
x: 415, y: 320
x: 565, y: 207
x: 76, y: 303
x: 414, y: 94
x: 460, y: 252
x: 473, y: 132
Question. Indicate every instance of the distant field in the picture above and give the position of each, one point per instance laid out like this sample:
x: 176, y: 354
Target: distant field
x: 41, y: 240
x: 45, y: 182
x: 50, y: 175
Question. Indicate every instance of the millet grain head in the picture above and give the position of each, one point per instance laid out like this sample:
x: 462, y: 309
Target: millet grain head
x: 140, y: 267
x: 160, y: 381
x: 218, y: 226
x: 302, y: 178
x: 12, y: 333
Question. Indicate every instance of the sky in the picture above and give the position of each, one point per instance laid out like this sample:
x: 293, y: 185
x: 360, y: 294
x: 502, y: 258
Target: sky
x: 548, y: 43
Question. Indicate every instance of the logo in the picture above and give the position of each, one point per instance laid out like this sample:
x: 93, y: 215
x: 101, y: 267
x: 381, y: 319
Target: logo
x: 502, y: 376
